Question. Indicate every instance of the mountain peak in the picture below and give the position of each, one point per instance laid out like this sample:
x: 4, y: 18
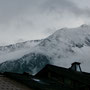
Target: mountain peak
x: 65, y: 46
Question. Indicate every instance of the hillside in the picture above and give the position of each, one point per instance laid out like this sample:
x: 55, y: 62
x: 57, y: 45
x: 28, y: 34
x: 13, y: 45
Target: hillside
x: 62, y: 48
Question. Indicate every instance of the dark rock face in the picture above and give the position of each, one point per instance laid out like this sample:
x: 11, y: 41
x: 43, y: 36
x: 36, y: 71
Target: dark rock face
x: 31, y: 63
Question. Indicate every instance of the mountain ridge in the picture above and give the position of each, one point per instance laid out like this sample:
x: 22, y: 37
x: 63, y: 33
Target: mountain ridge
x: 62, y: 48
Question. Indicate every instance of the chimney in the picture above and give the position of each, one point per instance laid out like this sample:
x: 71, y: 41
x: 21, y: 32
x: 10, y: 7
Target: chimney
x: 76, y: 67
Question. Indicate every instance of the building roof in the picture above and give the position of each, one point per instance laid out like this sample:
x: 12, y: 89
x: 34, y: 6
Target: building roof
x: 77, y: 63
x: 9, y: 84
x: 37, y: 83
x: 41, y: 82
x: 81, y: 77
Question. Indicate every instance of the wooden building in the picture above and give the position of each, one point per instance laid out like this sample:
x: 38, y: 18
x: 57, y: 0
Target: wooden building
x: 55, y: 78
x: 72, y: 77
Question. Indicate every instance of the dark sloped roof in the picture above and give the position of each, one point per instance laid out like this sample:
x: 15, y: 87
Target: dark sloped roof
x: 79, y: 76
x: 9, y: 84
x: 76, y: 63
x: 37, y: 84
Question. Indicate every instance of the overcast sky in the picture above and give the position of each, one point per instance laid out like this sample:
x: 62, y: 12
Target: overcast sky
x: 35, y: 19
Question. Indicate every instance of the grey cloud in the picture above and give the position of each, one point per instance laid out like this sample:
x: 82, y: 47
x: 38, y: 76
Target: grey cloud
x: 33, y: 19
x: 10, y: 9
x: 62, y: 6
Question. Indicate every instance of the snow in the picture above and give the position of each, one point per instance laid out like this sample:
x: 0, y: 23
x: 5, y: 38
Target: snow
x: 68, y: 45
x: 20, y: 49
x: 64, y: 47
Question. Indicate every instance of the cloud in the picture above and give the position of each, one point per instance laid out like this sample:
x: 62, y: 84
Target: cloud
x: 62, y: 6
x: 10, y: 9
x: 35, y: 19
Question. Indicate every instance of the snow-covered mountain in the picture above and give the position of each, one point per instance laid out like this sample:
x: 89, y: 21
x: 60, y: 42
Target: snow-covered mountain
x: 62, y: 48
x: 13, y: 47
x: 16, y: 51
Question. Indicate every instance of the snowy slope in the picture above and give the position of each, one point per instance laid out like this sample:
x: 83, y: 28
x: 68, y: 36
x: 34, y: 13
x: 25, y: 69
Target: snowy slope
x: 68, y: 45
x: 16, y: 51
x: 62, y: 48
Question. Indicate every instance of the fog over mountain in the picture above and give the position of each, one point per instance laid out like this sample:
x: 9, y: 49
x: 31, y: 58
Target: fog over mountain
x: 62, y: 48
x: 36, y: 19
